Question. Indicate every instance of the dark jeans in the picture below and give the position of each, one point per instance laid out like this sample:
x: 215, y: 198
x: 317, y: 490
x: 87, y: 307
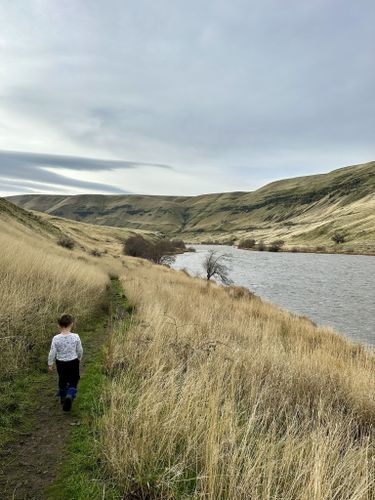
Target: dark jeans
x: 68, y: 374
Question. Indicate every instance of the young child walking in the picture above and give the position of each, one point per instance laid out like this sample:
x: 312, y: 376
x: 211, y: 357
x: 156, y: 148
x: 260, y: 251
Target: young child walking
x: 66, y: 351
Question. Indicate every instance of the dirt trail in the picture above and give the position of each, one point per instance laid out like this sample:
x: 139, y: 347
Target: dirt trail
x: 30, y: 464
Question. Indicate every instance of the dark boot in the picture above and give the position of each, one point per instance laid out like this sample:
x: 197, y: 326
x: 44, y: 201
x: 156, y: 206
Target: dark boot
x: 71, y: 394
x: 67, y: 405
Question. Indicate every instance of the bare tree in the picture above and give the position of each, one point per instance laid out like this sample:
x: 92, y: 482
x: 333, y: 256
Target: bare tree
x: 214, y: 267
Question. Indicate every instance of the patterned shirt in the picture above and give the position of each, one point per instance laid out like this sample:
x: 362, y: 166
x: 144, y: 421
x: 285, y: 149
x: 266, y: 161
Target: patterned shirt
x: 65, y: 347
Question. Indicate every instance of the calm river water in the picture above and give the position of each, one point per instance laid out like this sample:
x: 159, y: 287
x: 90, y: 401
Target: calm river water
x: 333, y: 290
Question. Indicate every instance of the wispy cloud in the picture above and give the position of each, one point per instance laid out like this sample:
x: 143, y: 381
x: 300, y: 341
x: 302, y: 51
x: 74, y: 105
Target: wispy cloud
x: 37, y: 172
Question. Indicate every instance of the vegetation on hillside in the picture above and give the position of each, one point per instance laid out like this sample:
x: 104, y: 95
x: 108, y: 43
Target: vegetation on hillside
x: 216, y: 394
x: 37, y: 284
x: 305, y: 211
x: 210, y: 392
x: 159, y: 251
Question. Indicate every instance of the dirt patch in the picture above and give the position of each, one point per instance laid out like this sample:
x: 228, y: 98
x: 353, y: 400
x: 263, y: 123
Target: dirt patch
x: 32, y: 462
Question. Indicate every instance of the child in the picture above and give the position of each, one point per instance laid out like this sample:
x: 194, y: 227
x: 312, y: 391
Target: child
x: 66, y: 350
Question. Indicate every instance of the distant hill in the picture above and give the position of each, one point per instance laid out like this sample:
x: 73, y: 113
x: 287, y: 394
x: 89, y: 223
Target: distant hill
x: 304, y: 210
x: 87, y: 237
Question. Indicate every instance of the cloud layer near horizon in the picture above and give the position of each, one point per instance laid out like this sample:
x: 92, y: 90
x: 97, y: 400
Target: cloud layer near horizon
x: 35, y: 171
x: 230, y: 94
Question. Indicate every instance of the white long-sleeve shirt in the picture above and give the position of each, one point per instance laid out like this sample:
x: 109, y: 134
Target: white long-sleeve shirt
x: 65, y: 347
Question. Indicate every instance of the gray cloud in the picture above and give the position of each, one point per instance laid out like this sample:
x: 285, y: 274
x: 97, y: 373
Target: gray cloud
x: 27, y: 171
x: 278, y: 90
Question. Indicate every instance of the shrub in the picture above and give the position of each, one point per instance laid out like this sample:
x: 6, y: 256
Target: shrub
x: 247, y: 243
x: 95, y: 253
x: 159, y: 252
x: 275, y: 246
x: 66, y: 242
x: 230, y: 242
x: 261, y: 246
x: 136, y: 246
x: 178, y: 244
x: 338, y: 238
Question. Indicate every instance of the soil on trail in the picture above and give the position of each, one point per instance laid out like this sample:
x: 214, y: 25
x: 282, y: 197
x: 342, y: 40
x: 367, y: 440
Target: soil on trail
x: 30, y: 464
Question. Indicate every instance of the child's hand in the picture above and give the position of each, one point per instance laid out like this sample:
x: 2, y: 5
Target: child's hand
x: 50, y: 368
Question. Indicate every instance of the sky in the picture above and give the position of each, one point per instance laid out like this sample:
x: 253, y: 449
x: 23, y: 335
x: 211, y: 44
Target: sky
x: 182, y: 98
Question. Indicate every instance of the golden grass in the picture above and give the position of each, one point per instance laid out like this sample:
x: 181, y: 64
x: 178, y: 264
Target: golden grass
x: 39, y: 281
x: 216, y: 394
x: 88, y: 237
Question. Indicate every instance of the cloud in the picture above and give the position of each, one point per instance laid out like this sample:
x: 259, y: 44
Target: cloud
x: 32, y: 172
x: 197, y: 85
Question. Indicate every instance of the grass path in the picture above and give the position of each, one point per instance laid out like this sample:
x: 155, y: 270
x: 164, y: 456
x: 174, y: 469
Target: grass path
x: 40, y: 460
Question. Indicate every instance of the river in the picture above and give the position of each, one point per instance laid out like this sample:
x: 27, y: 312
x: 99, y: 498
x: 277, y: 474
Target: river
x: 332, y: 290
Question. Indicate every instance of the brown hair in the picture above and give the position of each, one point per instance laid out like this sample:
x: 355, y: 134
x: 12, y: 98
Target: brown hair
x: 65, y: 320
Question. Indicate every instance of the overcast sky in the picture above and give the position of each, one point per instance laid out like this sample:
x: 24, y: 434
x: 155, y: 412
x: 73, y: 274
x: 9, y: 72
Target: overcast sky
x: 182, y: 97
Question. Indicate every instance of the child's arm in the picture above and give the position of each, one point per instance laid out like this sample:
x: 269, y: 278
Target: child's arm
x: 52, y: 354
x: 79, y: 349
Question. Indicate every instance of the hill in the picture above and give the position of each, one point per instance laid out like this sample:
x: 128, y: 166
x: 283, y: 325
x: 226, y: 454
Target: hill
x: 304, y: 210
x: 23, y: 223
x: 189, y: 388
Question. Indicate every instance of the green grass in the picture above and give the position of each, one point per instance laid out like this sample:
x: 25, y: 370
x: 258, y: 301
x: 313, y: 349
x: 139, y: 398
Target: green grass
x: 18, y: 403
x: 81, y: 476
x: 18, y: 399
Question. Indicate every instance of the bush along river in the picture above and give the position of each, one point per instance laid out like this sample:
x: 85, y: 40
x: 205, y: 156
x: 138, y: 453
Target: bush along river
x: 331, y: 289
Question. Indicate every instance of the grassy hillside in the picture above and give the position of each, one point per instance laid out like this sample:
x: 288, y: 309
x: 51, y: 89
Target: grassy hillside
x: 40, y: 278
x: 304, y: 210
x: 39, y: 281
x: 87, y: 237
x: 207, y: 391
x: 216, y: 394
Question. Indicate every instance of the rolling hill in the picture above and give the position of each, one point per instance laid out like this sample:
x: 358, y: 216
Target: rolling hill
x: 303, y: 210
x: 24, y: 224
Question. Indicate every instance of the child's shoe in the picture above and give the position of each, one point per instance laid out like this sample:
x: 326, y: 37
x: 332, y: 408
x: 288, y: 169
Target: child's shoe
x: 61, y: 393
x: 71, y: 394
x: 67, y: 405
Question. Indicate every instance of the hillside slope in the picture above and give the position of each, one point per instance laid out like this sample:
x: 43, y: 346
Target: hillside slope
x: 303, y: 210
x: 12, y: 216
x: 23, y: 223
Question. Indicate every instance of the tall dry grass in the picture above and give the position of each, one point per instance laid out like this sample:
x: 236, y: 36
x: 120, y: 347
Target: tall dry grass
x: 39, y: 281
x: 216, y: 394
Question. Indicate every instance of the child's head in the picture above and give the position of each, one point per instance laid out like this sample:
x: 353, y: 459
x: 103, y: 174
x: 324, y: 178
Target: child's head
x: 65, y: 321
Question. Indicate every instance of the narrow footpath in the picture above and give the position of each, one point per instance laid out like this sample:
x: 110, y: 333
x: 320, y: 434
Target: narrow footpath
x: 30, y: 464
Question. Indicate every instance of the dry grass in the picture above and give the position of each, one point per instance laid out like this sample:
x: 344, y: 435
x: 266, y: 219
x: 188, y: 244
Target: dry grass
x: 218, y: 395
x: 39, y: 281
x: 90, y: 237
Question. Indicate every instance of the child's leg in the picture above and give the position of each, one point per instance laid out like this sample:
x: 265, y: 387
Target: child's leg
x: 73, y: 378
x: 63, y: 379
